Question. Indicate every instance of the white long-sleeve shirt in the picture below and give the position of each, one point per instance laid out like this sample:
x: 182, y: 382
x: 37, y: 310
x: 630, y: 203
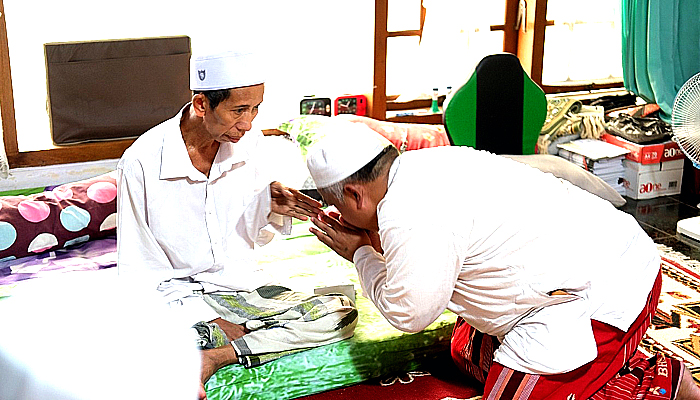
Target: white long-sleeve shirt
x: 489, y: 238
x: 180, y: 231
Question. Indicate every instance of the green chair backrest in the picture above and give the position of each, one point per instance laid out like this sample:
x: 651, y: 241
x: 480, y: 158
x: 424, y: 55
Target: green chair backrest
x: 499, y: 109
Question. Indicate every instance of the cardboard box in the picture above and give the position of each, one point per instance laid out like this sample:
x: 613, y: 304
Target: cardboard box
x: 647, y: 181
x: 649, y: 153
x: 660, y: 166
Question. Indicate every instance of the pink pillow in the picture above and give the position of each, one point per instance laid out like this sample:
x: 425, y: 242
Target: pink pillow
x: 69, y: 214
x: 406, y: 136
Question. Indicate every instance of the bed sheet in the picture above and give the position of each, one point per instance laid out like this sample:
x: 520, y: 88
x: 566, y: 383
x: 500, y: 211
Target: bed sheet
x: 302, y: 263
x: 95, y: 255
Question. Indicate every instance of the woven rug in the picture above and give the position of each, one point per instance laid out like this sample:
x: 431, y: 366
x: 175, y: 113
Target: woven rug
x: 675, y: 328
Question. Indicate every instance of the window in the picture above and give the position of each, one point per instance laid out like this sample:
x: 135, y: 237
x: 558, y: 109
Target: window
x: 320, y: 48
x: 564, y: 46
x: 455, y: 36
x: 433, y: 44
x: 583, y: 44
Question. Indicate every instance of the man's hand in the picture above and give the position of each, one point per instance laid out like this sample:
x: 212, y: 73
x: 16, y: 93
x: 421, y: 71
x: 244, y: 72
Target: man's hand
x: 373, y: 235
x: 291, y: 202
x: 341, y: 238
x: 232, y: 331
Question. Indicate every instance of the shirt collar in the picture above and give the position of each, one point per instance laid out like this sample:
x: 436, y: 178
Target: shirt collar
x: 392, y: 171
x: 176, y: 163
x: 230, y: 154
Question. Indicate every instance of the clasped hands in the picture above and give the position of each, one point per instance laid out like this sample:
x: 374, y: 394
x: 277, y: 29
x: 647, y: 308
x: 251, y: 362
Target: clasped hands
x: 331, y: 229
x: 342, y: 237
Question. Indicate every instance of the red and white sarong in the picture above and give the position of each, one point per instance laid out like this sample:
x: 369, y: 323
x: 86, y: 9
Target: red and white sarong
x: 616, y: 373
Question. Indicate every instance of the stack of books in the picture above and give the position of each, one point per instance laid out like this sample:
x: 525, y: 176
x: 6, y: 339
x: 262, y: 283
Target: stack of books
x: 602, y: 159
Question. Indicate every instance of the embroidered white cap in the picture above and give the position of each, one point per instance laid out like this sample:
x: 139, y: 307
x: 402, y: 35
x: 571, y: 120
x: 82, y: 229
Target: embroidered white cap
x: 346, y: 147
x: 225, y: 70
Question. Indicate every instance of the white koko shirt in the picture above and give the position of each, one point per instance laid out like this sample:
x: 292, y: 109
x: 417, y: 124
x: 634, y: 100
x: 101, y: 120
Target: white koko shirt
x: 179, y: 231
x: 488, y: 238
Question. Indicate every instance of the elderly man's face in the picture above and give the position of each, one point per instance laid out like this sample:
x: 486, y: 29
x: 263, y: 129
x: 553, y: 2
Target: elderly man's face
x: 233, y: 117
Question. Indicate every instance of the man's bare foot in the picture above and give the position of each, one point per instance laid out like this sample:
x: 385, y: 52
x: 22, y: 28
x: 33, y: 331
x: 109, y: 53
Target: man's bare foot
x: 688, y: 389
x: 213, y: 359
x: 202, y: 392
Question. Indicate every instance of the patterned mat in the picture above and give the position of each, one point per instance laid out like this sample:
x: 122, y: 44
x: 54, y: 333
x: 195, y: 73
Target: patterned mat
x: 676, y: 326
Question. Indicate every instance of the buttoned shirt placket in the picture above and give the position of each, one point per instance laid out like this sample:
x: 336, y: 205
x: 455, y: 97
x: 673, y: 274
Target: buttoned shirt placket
x: 213, y: 228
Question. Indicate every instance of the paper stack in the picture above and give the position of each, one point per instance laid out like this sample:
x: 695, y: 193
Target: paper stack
x: 602, y: 159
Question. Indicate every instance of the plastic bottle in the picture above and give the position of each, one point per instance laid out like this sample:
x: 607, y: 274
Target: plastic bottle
x: 448, y: 97
x: 434, y: 107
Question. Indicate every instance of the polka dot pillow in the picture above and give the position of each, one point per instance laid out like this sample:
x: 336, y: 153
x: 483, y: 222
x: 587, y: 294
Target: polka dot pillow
x: 69, y: 214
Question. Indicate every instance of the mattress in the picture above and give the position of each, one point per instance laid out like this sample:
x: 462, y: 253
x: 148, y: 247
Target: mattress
x: 302, y: 263
x: 95, y: 255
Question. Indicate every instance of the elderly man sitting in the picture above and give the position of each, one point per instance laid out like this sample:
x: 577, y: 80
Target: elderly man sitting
x: 195, y: 195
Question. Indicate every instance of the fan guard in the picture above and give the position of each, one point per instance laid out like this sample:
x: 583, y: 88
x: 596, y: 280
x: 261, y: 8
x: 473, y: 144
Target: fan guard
x: 685, y: 119
x: 685, y: 125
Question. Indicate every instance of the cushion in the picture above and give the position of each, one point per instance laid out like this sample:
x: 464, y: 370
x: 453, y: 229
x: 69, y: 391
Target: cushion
x: 306, y: 131
x: 66, y: 215
x: 406, y: 136
x: 578, y: 176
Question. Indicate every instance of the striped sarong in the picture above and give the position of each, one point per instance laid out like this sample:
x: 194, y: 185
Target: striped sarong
x: 616, y: 373
x: 280, y: 321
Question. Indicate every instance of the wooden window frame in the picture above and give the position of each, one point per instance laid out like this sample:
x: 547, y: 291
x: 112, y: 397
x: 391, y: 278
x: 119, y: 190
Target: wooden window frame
x: 58, y: 154
x: 527, y: 44
x: 529, y: 47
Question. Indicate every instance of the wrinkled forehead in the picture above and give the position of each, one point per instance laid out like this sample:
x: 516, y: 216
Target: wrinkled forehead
x: 247, y: 95
x: 248, y: 91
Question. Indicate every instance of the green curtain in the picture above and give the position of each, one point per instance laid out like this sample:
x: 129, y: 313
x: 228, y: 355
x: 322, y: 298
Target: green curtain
x: 660, y: 48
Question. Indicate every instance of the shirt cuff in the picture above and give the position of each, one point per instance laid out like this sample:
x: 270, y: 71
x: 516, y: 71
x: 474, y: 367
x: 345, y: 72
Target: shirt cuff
x: 282, y: 223
x: 364, y: 254
x: 276, y: 223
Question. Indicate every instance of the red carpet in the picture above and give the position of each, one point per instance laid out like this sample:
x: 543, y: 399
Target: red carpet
x: 439, y: 381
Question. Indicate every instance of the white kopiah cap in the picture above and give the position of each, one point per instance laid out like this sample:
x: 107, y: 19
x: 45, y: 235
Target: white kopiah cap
x: 225, y: 70
x: 347, y: 147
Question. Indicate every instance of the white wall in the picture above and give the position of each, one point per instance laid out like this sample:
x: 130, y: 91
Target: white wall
x: 322, y: 47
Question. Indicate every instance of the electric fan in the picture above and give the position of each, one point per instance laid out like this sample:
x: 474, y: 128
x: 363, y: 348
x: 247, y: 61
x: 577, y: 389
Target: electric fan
x: 685, y: 125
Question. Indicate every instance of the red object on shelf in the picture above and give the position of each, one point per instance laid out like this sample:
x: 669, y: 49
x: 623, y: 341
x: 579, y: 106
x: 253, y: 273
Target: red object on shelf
x: 355, y: 104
